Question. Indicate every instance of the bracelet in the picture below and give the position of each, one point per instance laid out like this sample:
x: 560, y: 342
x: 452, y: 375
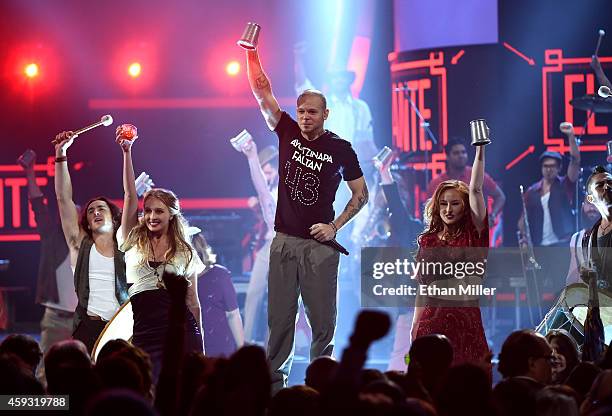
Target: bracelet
x: 334, y: 227
x: 61, y: 159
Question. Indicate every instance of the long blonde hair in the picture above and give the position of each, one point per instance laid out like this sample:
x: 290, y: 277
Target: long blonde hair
x: 140, y: 235
x: 431, y: 214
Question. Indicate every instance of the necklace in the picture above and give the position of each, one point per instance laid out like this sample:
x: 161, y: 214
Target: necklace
x: 603, y: 230
x: 160, y: 283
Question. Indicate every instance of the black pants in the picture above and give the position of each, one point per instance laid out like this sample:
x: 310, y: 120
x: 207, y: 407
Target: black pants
x: 88, y: 332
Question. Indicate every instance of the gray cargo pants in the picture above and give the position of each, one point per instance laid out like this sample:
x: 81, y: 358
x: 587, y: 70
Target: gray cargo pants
x: 306, y: 267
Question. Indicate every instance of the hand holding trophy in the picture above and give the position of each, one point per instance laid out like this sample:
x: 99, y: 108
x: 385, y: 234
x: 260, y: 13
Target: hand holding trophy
x: 250, y: 36
x: 126, y: 134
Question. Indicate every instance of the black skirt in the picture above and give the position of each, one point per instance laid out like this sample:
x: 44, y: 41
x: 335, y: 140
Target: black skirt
x: 151, y: 309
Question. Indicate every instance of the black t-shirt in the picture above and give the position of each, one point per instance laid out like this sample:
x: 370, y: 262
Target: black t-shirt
x: 309, y: 175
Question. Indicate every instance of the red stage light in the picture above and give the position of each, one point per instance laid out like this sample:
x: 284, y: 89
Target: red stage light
x: 232, y: 68
x: 31, y: 70
x: 135, y: 69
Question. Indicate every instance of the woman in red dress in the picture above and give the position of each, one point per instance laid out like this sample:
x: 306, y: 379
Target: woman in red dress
x: 456, y: 218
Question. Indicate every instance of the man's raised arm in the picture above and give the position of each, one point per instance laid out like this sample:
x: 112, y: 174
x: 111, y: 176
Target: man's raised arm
x: 262, y: 90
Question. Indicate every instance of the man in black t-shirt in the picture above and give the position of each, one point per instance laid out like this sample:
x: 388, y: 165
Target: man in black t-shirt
x: 304, y: 254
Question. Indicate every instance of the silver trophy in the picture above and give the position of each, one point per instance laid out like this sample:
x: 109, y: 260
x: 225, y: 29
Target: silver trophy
x: 143, y: 183
x: 383, y: 156
x: 250, y: 36
x: 241, y: 140
x: 480, y: 132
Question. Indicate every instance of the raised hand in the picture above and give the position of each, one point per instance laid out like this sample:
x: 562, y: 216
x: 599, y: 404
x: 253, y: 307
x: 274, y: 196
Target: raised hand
x: 27, y: 160
x: 125, y: 135
x: 62, y: 142
x: 567, y: 128
x: 250, y: 149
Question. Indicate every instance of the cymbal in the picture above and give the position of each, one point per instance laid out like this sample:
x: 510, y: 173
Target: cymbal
x: 592, y: 102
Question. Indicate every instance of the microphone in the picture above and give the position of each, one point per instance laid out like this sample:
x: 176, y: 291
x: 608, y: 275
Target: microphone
x: 105, y: 121
x: 609, y: 147
x: 604, y: 91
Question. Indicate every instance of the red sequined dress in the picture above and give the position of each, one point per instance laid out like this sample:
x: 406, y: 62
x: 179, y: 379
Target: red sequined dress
x: 462, y: 324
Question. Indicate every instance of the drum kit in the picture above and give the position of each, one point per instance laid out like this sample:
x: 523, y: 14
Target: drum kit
x: 570, y: 312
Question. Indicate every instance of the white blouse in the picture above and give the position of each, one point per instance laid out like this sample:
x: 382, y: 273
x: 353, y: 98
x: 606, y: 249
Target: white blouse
x: 143, y: 277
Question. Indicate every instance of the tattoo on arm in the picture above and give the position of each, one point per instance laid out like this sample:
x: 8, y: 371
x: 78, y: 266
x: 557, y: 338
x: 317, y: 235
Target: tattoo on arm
x: 353, y: 208
x: 262, y: 83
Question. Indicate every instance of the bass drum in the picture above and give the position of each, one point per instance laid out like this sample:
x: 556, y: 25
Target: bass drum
x: 570, y: 312
x: 121, y: 326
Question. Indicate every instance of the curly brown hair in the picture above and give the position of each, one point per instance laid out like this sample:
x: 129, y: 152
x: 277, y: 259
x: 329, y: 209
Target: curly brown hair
x: 140, y: 235
x: 431, y: 214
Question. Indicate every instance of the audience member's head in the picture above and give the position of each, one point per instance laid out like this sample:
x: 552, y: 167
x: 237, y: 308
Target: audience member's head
x: 69, y: 371
x: 64, y: 355
x: 370, y: 375
x: 515, y: 396
x: 566, y: 354
x: 25, y: 347
x: 119, y: 402
x: 606, y: 361
x: 581, y: 378
x: 15, y: 378
x: 466, y: 390
x: 430, y: 357
x: 118, y: 372
x: 383, y: 388
x: 137, y: 372
x: 418, y: 407
x: 320, y: 372
x: 295, y: 401
x: 553, y: 402
x: 600, y: 394
x: 528, y: 354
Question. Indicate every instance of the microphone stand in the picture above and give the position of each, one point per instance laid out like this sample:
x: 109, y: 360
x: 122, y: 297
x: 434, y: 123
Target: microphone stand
x: 424, y: 124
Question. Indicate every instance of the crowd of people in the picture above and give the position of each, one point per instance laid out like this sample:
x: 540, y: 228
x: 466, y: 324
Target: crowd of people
x: 541, y: 376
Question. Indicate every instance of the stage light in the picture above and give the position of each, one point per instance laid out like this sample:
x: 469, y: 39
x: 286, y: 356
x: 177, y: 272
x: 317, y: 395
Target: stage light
x: 31, y: 70
x: 134, y: 69
x: 232, y: 68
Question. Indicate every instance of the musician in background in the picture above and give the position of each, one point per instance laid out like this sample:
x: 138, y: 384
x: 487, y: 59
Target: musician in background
x: 55, y: 282
x: 590, y: 215
x: 549, y: 201
x: 221, y: 321
x: 457, y: 169
x: 404, y: 230
x: 597, y: 242
x: 548, y: 205
x: 263, y: 168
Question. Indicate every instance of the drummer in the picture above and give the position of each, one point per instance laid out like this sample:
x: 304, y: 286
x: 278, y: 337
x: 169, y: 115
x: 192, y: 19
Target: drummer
x: 597, y: 242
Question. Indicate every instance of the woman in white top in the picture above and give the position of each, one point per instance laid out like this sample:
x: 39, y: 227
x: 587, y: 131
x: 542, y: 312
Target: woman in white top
x: 154, y: 244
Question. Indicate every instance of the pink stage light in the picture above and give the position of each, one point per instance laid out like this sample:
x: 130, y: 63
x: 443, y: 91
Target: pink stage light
x: 135, y: 69
x: 232, y: 68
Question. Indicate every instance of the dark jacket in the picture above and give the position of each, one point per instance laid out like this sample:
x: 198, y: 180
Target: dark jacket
x: 560, y: 204
x: 53, y: 251
x: 81, y: 279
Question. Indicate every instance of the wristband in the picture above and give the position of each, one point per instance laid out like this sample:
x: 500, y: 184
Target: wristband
x: 61, y: 159
x: 334, y: 227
